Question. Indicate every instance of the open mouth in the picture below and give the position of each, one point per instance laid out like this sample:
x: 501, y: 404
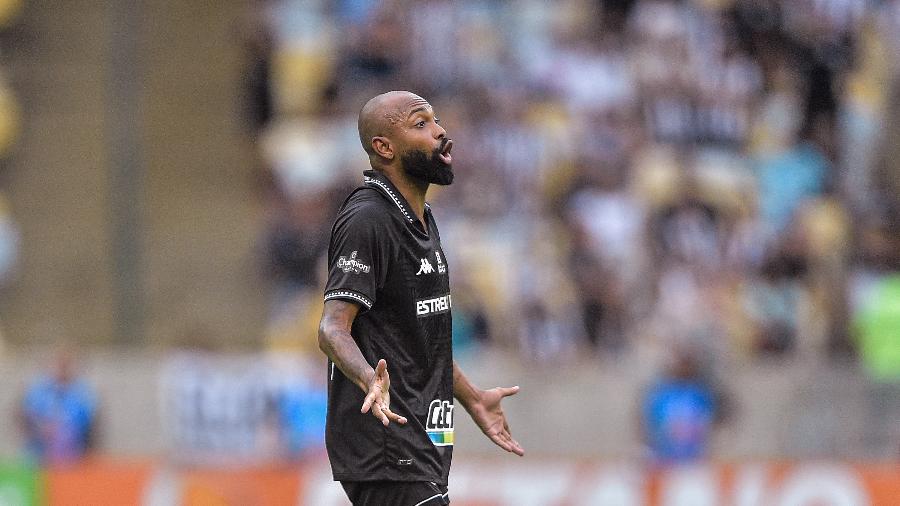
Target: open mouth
x: 444, y: 154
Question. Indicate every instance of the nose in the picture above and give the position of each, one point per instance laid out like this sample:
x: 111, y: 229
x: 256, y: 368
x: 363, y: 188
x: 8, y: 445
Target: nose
x: 440, y: 133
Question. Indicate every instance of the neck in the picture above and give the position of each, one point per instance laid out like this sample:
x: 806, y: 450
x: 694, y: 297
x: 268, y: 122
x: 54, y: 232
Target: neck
x: 412, y: 190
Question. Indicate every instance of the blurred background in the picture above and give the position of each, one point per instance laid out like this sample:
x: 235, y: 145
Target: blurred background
x: 675, y: 223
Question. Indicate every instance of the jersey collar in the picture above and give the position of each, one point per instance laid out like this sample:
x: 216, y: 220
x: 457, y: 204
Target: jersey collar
x: 375, y: 179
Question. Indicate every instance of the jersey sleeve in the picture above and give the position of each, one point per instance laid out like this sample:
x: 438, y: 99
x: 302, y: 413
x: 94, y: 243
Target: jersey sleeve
x: 358, y: 256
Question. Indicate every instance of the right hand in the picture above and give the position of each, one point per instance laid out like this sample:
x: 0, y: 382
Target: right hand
x: 378, y: 396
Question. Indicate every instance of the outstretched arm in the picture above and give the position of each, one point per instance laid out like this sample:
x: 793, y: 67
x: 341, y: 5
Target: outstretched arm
x: 484, y: 408
x: 336, y: 342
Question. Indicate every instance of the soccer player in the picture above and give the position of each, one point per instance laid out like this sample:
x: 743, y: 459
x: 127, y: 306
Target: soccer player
x: 387, y: 306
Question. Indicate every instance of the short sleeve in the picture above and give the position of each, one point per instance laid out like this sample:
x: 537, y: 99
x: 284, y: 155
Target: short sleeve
x: 358, y: 254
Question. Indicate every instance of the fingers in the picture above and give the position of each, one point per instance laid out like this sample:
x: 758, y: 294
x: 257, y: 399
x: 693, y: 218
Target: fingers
x: 394, y: 417
x: 369, y: 400
x: 381, y: 412
x: 381, y: 368
x: 512, y: 445
x: 384, y: 414
x: 503, y: 438
x: 505, y: 441
x: 516, y: 447
x: 377, y: 398
x: 501, y: 441
x: 506, y: 392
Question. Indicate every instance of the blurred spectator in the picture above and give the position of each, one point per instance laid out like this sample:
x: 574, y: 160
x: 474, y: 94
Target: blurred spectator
x: 9, y: 251
x: 680, y: 410
x: 58, y: 414
x: 600, y: 294
x: 547, y: 336
x: 9, y: 243
x: 297, y: 237
x: 606, y: 212
x: 470, y: 322
x: 878, y: 332
x: 256, y: 33
x: 786, y: 180
x: 773, y: 302
x: 372, y: 54
x: 689, y: 229
x: 301, y: 398
x: 878, y: 328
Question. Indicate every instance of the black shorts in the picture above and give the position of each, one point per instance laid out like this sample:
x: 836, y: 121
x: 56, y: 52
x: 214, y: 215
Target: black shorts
x: 395, y: 493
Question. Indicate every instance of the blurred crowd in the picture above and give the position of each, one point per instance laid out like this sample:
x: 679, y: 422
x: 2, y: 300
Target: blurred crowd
x: 631, y: 173
x: 663, y: 177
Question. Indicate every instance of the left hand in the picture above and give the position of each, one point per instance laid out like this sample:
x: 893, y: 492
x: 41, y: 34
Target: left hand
x: 378, y: 396
x: 489, y: 417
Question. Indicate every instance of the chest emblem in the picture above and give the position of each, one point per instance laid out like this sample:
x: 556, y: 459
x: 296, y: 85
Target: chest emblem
x: 425, y: 268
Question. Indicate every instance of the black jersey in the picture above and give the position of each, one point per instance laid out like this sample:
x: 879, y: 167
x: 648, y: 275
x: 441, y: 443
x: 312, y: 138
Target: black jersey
x: 381, y: 258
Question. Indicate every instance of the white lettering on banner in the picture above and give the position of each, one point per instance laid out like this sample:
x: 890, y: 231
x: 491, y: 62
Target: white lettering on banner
x: 624, y: 485
x: 691, y: 486
x: 616, y: 486
x: 598, y: 484
x: 818, y: 484
x: 433, y: 306
x: 750, y: 485
x: 322, y: 490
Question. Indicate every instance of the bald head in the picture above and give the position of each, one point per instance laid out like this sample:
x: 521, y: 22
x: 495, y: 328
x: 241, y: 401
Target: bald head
x: 383, y: 113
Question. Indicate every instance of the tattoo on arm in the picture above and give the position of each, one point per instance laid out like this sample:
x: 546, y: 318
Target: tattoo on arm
x: 336, y: 342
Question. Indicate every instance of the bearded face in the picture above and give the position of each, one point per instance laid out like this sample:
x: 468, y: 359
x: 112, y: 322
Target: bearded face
x: 433, y: 167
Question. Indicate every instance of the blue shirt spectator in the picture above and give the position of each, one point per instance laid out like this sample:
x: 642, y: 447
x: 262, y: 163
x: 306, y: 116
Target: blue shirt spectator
x: 58, y: 413
x: 302, y: 410
x: 679, y: 412
x: 785, y: 181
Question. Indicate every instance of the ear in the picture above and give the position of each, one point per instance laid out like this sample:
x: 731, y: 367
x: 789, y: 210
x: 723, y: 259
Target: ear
x: 383, y: 147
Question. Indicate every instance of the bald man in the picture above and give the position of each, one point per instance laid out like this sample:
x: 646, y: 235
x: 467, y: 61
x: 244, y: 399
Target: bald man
x: 388, y: 308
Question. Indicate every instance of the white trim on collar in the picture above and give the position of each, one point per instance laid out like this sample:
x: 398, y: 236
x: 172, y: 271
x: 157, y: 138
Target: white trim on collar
x: 390, y: 193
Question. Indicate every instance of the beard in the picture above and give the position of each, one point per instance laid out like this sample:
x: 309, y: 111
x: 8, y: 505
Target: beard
x: 427, y: 167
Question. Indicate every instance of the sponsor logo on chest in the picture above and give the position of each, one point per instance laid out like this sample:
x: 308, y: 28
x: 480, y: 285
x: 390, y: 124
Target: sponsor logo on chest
x: 439, y: 424
x: 435, y: 305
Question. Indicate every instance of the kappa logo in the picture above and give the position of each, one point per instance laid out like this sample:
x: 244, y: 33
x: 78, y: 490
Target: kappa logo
x: 352, y: 264
x: 425, y: 268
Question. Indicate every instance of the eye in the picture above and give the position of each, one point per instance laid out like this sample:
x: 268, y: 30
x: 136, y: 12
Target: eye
x: 437, y: 120
x: 420, y: 124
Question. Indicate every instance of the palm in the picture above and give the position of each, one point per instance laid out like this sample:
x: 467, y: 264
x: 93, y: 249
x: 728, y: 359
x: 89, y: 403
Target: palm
x: 492, y: 421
